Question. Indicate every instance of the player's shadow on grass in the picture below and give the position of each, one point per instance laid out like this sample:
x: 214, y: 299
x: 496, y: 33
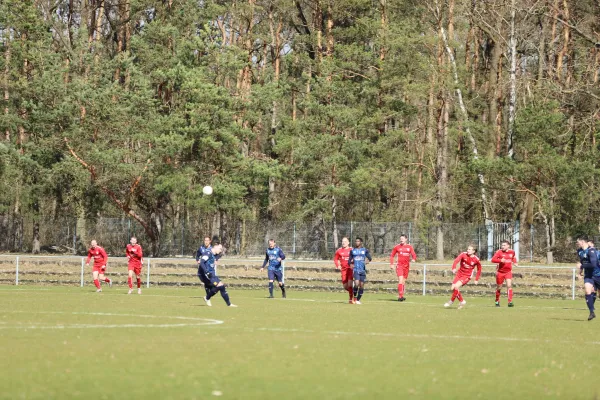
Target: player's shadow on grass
x: 569, y: 319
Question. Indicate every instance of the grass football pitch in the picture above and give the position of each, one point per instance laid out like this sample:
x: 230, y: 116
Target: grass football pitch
x: 61, y: 342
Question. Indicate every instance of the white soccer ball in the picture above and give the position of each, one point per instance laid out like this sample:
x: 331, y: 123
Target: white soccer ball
x: 207, y: 190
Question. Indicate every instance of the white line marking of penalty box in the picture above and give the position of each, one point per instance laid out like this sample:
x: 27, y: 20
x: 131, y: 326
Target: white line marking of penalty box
x: 422, y: 336
x: 197, y: 321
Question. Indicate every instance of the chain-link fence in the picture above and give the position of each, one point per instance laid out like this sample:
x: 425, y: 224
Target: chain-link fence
x: 317, y: 239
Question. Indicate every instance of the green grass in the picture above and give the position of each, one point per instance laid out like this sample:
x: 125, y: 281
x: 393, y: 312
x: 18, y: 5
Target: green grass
x: 312, y: 345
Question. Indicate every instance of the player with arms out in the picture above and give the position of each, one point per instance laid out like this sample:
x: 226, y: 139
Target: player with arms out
x: 100, y: 258
x: 505, y: 258
x: 358, y: 261
x: 588, y: 264
x: 134, y: 264
x: 274, y: 256
x: 405, y: 252
x: 207, y: 267
x: 468, y: 262
x: 341, y: 263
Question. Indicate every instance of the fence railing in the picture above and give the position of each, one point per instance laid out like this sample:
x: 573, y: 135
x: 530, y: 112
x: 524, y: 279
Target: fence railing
x: 418, y: 268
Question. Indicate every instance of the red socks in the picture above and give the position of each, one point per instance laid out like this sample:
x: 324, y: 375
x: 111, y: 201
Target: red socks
x: 139, y: 282
x: 350, y: 292
x: 460, y: 298
x: 97, y: 283
x: 400, y: 290
x: 454, y: 294
x: 106, y: 280
x: 510, y: 295
x: 497, y: 295
x: 129, y: 283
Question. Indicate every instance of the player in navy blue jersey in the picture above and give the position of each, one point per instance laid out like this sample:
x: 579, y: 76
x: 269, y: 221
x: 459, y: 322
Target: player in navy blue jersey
x: 588, y: 263
x: 204, y: 250
x: 273, y: 257
x: 207, y: 269
x: 596, y: 273
x: 358, y: 260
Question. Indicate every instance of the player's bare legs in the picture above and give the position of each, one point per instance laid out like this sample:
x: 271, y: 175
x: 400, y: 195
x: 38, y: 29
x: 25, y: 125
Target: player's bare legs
x: 103, y: 278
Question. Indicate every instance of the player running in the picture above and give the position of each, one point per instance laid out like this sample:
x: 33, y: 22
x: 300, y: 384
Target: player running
x: 134, y: 264
x: 405, y: 252
x: 358, y: 261
x: 588, y: 265
x: 341, y: 263
x: 204, y: 250
x: 207, y: 268
x: 505, y: 258
x: 100, y: 258
x: 468, y: 262
x: 274, y: 256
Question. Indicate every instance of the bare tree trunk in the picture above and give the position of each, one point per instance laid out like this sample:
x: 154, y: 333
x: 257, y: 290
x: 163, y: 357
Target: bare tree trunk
x: 7, y: 55
x: 513, y: 84
x: 566, y: 38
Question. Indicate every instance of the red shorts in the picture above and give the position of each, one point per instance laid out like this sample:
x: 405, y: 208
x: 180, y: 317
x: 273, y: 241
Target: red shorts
x: 461, y: 278
x: 346, y: 275
x: 402, y: 270
x: 136, y: 269
x: 502, y: 276
x: 99, y: 270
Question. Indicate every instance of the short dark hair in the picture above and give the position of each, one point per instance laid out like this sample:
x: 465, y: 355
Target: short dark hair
x: 272, y: 240
x: 583, y: 237
x: 505, y: 241
x: 359, y: 238
x: 404, y: 234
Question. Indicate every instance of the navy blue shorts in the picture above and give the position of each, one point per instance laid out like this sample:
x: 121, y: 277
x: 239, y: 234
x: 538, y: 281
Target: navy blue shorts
x: 214, y: 280
x: 276, y: 275
x: 203, y: 278
x: 360, y: 275
x: 596, y: 282
x: 591, y: 281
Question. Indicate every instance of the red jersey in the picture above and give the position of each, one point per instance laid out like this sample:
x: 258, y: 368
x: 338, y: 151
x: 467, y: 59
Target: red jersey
x: 467, y: 265
x: 134, y: 254
x: 405, y: 252
x: 341, y: 257
x: 99, y: 255
x: 504, y: 267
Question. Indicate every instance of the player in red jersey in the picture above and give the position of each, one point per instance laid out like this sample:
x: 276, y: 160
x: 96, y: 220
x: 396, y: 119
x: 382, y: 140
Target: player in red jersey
x: 404, y: 251
x: 505, y: 258
x: 100, y: 259
x: 134, y: 264
x: 468, y: 262
x: 341, y: 263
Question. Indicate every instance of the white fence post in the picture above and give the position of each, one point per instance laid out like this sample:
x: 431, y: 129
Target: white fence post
x: 283, y: 272
x: 148, y: 274
x: 82, y: 268
x: 424, y: 278
x: 573, y: 286
x: 17, y: 273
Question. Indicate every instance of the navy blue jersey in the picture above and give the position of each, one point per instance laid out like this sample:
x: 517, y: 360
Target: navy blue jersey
x: 204, y: 251
x: 207, y: 263
x: 271, y: 257
x: 358, y: 257
x: 589, y: 261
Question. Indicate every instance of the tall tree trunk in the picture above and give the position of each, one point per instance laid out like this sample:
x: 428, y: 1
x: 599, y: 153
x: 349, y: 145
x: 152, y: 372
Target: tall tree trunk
x: 6, y: 80
x: 566, y: 38
x: 513, y: 84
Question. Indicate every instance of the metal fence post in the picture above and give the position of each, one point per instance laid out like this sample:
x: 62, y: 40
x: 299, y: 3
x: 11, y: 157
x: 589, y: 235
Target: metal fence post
x: 294, y: 243
x: 573, y: 286
x: 424, y: 278
x: 351, y: 229
x: 148, y: 274
x: 82, y: 266
x: 17, y: 273
x: 531, y: 247
x: 283, y: 272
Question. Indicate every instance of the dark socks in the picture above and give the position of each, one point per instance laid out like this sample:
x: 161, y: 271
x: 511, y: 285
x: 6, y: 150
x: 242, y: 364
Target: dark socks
x: 210, y: 292
x: 271, y: 289
x: 589, y: 300
x: 360, y: 293
x: 355, y: 291
x: 224, y: 294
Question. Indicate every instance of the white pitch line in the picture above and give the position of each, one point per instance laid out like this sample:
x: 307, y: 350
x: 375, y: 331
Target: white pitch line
x: 200, y: 321
x: 421, y: 336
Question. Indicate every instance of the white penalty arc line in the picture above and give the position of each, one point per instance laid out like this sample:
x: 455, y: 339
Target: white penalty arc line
x: 198, y: 321
x: 421, y: 336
